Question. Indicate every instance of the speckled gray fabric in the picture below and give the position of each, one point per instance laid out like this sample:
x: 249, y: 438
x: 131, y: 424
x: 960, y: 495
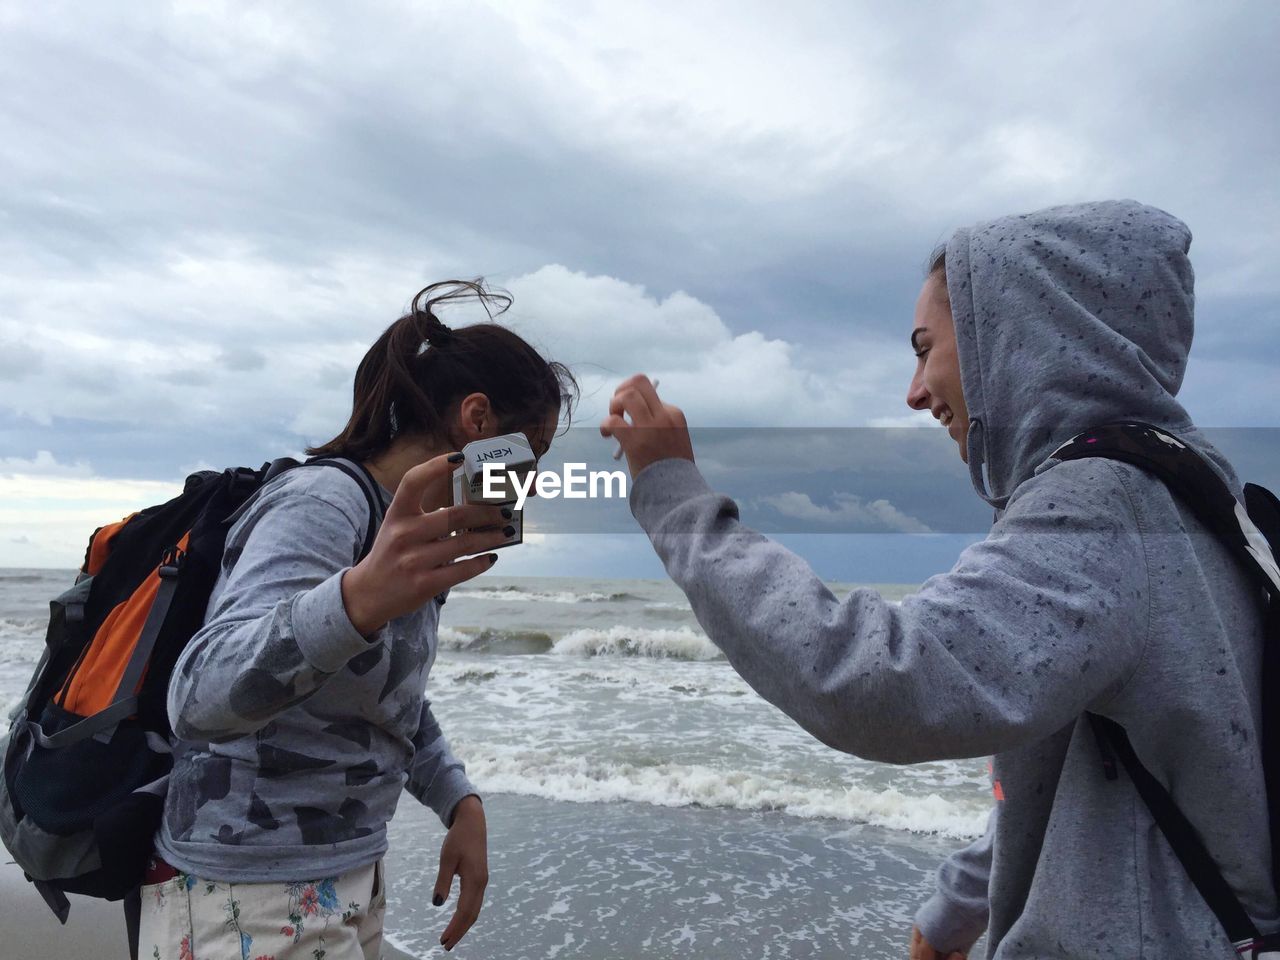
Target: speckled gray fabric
x: 1094, y: 591
x: 295, y: 734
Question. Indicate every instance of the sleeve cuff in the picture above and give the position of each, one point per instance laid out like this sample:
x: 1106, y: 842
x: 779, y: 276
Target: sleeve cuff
x: 323, y: 631
x: 446, y: 800
x: 662, y: 487
x: 947, y: 926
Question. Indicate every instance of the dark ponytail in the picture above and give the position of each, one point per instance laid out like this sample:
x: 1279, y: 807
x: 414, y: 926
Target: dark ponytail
x: 419, y: 368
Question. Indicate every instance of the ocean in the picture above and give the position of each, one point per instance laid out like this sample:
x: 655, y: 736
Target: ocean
x: 642, y: 800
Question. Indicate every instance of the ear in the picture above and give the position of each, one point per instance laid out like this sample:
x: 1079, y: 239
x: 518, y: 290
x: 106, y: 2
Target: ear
x: 475, y: 417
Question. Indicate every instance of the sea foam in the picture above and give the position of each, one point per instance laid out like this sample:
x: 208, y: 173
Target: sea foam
x: 520, y: 595
x: 624, y: 641
x: 579, y: 779
x: 681, y: 643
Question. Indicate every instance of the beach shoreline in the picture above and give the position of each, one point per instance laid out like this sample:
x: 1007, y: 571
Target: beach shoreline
x: 604, y: 881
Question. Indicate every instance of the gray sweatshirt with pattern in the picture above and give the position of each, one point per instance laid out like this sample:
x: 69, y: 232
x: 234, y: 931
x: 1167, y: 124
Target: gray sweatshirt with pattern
x: 295, y: 734
x: 1094, y: 591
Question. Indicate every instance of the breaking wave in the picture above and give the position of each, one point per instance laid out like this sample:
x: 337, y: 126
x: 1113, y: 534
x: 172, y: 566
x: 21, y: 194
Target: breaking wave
x: 580, y: 779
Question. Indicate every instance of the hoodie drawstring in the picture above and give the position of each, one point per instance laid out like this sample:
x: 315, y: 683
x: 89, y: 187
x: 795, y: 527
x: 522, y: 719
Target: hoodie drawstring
x: 976, y: 446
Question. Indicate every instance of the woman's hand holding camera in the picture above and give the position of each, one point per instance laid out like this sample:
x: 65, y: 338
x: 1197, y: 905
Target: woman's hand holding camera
x: 416, y: 554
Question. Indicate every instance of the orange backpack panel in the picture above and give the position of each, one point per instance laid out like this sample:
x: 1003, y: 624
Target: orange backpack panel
x: 93, y: 685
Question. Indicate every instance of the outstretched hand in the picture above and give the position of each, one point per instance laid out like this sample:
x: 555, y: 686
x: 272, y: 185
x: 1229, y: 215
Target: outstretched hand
x: 656, y: 431
x: 414, y: 556
x: 921, y: 949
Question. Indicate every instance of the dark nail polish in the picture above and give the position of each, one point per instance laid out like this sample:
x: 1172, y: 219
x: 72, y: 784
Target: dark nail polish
x: 456, y: 458
x: 508, y: 531
x: 437, y: 900
x: 506, y: 514
x: 493, y: 558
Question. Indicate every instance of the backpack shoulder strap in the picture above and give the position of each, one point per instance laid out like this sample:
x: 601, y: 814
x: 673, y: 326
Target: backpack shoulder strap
x: 372, y: 493
x: 1189, y: 478
x: 353, y: 469
x: 1177, y: 829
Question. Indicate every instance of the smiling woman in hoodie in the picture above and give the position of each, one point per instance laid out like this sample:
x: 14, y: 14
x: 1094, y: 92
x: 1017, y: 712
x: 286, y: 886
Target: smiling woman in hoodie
x: 1095, y: 591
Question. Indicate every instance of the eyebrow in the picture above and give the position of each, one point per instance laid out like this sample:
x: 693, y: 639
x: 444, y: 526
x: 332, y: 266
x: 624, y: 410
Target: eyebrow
x: 918, y: 330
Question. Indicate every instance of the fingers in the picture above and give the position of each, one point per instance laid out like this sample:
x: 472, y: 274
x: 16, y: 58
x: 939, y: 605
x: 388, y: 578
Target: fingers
x: 444, y: 879
x: 472, y: 882
x: 468, y: 516
x: 638, y: 381
x: 636, y: 397
x: 644, y: 386
x: 470, y: 899
x: 463, y: 570
x: 416, y: 484
x: 613, y: 425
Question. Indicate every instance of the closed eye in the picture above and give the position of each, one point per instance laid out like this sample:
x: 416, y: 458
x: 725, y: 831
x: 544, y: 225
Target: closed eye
x: 921, y: 353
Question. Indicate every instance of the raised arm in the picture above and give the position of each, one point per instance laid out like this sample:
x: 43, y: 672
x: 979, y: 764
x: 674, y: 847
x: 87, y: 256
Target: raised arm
x: 278, y: 630
x: 1044, y: 618
x: 293, y: 609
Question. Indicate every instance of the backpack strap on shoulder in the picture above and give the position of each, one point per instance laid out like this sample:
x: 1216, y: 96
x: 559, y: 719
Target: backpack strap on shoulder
x: 1189, y: 478
x: 373, y: 495
x: 1182, y: 836
x: 1248, y: 531
x: 352, y: 468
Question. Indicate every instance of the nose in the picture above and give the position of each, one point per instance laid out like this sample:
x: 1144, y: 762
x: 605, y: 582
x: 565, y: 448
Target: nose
x: 917, y: 395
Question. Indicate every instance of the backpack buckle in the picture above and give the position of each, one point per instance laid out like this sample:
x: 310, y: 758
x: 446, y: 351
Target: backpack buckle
x: 171, y: 562
x: 243, y: 478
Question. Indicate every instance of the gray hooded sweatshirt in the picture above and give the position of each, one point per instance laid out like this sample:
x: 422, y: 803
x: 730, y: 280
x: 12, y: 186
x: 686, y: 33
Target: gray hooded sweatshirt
x: 1094, y: 591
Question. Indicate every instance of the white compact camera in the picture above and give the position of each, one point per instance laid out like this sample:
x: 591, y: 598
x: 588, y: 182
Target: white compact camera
x: 500, y: 461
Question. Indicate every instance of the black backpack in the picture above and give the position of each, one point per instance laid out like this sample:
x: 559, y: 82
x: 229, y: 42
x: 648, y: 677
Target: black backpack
x: 1251, y: 531
x: 87, y: 757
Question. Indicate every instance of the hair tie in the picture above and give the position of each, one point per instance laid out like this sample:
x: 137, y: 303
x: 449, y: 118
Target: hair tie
x: 438, y: 335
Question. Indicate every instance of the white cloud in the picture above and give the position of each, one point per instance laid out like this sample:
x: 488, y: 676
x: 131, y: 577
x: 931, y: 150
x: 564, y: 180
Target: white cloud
x: 42, y: 465
x: 608, y: 328
x: 49, y: 510
x: 214, y: 336
x: 847, y: 510
x: 219, y: 205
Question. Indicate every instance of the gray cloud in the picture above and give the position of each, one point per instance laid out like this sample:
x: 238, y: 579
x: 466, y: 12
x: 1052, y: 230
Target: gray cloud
x: 846, y: 511
x: 238, y: 199
x: 242, y: 359
x: 18, y: 360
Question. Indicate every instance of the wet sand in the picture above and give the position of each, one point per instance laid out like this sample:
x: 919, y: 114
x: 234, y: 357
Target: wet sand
x: 624, y: 880
x: 605, y: 880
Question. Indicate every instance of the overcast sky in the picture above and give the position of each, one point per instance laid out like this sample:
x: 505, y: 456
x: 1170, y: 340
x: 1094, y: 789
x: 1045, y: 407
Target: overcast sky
x: 210, y: 210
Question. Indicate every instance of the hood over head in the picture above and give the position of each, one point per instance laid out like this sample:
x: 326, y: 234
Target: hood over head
x: 1065, y: 319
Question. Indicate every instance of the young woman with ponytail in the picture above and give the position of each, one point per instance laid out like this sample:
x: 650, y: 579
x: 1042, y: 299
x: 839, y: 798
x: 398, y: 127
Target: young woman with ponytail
x: 298, y: 709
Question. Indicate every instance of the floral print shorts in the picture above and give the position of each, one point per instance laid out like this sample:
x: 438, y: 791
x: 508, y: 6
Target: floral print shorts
x: 337, y: 918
